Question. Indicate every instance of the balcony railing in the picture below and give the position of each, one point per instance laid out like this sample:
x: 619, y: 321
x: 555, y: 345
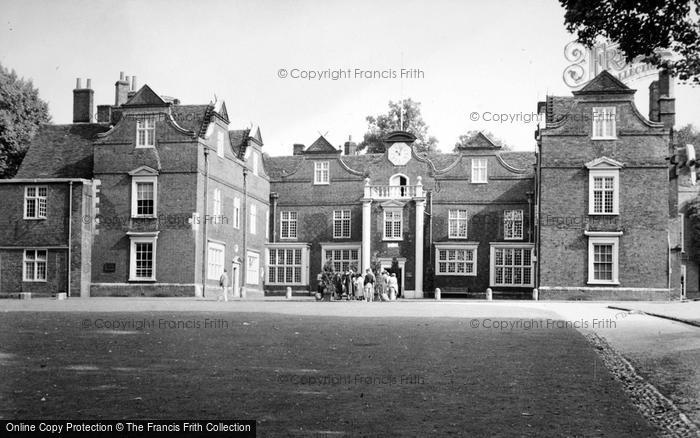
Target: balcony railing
x: 393, y: 192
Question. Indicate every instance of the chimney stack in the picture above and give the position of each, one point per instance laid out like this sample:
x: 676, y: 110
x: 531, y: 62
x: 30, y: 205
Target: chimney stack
x: 667, y: 100
x: 350, y: 147
x: 654, y: 101
x: 121, y: 90
x: 299, y: 148
x: 133, y: 83
x: 82, y: 102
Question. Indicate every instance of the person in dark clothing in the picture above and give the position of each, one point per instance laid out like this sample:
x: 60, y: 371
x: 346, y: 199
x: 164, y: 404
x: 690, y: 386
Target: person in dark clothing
x: 320, y: 287
x: 338, y: 282
x: 369, y: 286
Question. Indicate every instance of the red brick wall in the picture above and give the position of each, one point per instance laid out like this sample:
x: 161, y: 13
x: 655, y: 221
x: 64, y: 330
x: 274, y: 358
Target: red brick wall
x: 447, y: 180
x: 643, y: 205
x: 50, y: 233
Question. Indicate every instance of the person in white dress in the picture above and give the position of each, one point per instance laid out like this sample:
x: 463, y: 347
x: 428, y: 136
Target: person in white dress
x: 393, y: 287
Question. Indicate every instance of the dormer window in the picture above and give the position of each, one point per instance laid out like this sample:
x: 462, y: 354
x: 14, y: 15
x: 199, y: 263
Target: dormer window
x: 604, y: 127
x: 321, y: 173
x: 145, y: 132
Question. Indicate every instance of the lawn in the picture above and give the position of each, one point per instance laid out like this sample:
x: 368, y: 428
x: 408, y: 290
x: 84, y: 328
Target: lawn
x: 310, y: 375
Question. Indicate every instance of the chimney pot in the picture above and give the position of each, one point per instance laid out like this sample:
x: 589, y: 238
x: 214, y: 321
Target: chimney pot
x: 121, y: 75
x: 133, y: 83
x: 299, y: 149
x: 89, y: 84
x: 78, y: 83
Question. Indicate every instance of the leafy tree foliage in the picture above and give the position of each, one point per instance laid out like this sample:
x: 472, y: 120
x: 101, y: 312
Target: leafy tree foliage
x: 21, y: 113
x: 688, y: 134
x: 644, y: 29
x: 382, y: 124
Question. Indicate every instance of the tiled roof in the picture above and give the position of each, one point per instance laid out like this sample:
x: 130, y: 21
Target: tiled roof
x: 558, y: 107
x: 321, y: 146
x: 61, y: 151
x: 192, y: 117
x: 278, y: 167
x: 363, y: 163
x: 518, y: 159
x: 239, y: 141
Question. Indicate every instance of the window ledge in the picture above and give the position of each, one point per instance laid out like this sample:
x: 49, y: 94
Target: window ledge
x: 479, y: 182
x: 321, y: 183
x: 453, y: 274
x: 34, y: 218
x: 457, y: 237
x: 144, y: 217
x: 604, y: 214
x: 511, y: 285
x: 390, y: 239
x: 286, y: 284
x: 604, y: 283
x: 142, y: 280
x: 33, y: 281
x: 603, y: 138
x: 145, y: 147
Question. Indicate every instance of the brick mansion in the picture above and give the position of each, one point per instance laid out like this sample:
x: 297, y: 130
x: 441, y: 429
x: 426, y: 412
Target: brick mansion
x: 153, y: 197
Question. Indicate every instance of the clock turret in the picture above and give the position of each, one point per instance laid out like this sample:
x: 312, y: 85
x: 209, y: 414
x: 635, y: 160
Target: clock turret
x: 399, y: 150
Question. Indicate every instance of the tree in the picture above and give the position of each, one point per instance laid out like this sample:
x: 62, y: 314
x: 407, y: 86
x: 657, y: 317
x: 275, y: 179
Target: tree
x: 644, y: 30
x: 21, y: 113
x: 464, y: 140
x: 383, y: 124
x: 688, y: 134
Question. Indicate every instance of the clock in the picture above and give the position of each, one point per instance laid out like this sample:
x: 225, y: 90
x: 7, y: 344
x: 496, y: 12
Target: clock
x: 399, y: 154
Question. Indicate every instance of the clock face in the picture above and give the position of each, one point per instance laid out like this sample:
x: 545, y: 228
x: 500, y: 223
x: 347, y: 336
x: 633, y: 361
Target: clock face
x: 399, y: 154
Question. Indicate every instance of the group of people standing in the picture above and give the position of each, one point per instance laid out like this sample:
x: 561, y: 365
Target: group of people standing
x: 352, y: 285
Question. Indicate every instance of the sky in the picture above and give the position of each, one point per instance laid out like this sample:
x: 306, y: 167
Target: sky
x: 497, y: 57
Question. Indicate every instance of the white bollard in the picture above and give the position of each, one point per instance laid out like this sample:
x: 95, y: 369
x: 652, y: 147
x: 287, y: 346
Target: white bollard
x: 489, y: 294
x: 535, y: 294
x: 438, y: 292
x: 61, y: 296
x: 289, y: 293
